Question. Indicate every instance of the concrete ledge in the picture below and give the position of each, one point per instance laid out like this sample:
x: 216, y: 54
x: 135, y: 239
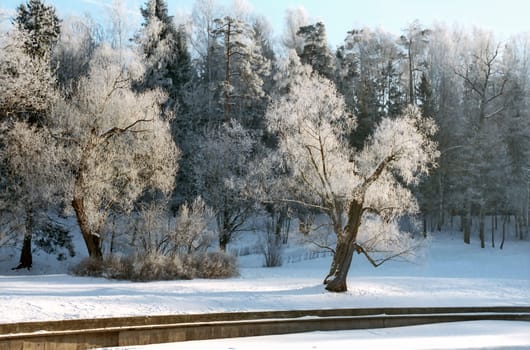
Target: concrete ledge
x: 123, y: 331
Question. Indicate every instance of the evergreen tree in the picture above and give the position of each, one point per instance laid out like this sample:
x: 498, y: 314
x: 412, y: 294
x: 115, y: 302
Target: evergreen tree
x: 426, y: 98
x: 315, y: 51
x: 370, y: 78
x: 168, y: 67
x: 42, y: 25
x: 26, y: 92
x: 166, y: 57
x: 37, y: 31
x: 245, y: 67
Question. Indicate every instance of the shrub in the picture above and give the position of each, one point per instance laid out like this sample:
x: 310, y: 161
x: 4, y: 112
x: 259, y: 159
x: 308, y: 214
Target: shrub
x: 212, y: 265
x: 159, y: 268
x: 189, y: 233
x: 54, y: 238
x: 272, y: 249
x: 89, y: 267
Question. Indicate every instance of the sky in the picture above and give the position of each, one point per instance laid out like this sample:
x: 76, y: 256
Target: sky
x: 503, y: 17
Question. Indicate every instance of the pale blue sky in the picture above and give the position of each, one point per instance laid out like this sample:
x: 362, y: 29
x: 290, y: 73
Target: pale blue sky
x: 504, y: 17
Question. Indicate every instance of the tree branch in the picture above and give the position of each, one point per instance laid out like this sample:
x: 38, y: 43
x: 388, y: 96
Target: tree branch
x: 376, y: 263
x: 378, y: 171
x: 315, y: 206
x: 117, y: 131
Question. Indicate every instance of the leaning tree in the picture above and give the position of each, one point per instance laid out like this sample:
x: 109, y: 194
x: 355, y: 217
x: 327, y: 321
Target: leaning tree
x: 362, y: 192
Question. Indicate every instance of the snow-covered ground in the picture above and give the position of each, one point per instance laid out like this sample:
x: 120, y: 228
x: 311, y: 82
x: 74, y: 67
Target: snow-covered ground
x: 450, y: 274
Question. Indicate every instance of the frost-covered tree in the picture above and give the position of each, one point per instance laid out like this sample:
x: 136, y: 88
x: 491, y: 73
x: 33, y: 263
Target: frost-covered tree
x: 370, y: 77
x: 220, y: 168
x: 27, y: 92
x: 42, y: 25
x: 414, y: 41
x: 34, y: 184
x: 26, y: 83
x: 295, y: 18
x: 485, y: 80
x: 516, y: 128
x: 245, y: 67
x: 119, y: 147
x: 165, y: 53
x: 72, y: 54
x: 352, y: 187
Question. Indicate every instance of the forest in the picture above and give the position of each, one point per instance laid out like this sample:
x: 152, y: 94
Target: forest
x: 164, y: 141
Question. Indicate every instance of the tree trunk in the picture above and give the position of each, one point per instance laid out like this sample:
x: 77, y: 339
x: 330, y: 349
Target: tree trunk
x: 26, y: 256
x: 223, y: 241
x: 504, y: 222
x: 336, y: 282
x: 441, y: 209
x: 466, y: 225
x: 336, y: 279
x: 520, y: 226
x: 493, y: 227
x: 227, y: 73
x: 481, y: 232
x: 92, y: 240
x: 424, y: 225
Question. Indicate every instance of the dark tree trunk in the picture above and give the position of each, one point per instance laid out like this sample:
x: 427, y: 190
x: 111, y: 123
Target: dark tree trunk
x: 336, y: 279
x: 520, y: 226
x: 466, y: 225
x: 92, y: 240
x: 441, y: 209
x: 504, y: 222
x: 223, y: 241
x: 493, y: 227
x: 424, y: 225
x: 481, y: 225
x: 26, y: 256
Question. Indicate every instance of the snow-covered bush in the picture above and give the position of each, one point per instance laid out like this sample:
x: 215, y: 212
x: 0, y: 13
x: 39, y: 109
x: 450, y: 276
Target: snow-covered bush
x: 211, y: 265
x: 191, y: 227
x: 158, y: 234
x: 159, y: 268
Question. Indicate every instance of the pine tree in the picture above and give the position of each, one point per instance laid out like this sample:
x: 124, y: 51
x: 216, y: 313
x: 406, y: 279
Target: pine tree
x: 166, y: 56
x: 42, y: 25
x: 315, y: 51
x: 245, y: 67
x: 168, y: 67
x: 425, y: 96
x: 369, y: 76
x: 37, y: 29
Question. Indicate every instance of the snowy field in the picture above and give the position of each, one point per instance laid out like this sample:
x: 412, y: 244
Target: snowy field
x: 449, y: 274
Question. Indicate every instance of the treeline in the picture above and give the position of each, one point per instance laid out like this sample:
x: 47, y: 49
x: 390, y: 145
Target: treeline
x: 123, y: 130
